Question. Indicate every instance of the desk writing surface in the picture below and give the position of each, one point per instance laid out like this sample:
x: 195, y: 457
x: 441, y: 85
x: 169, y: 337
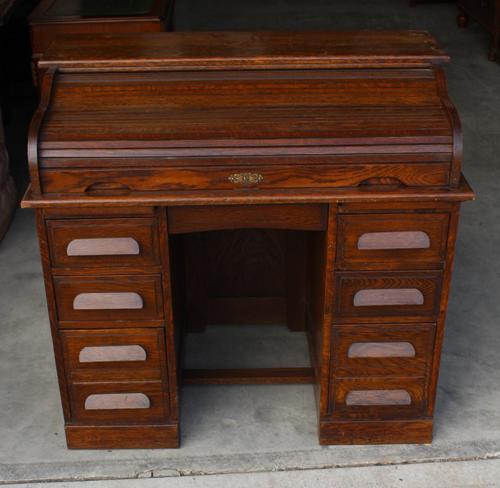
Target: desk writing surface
x: 210, y: 51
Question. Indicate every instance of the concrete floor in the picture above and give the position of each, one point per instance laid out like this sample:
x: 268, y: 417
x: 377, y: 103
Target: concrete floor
x: 233, y: 429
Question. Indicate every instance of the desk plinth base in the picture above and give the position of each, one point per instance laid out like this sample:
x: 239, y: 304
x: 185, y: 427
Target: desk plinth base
x: 375, y: 432
x: 122, y: 436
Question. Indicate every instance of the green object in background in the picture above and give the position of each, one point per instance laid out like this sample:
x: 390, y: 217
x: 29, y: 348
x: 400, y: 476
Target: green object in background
x: 99, y: 8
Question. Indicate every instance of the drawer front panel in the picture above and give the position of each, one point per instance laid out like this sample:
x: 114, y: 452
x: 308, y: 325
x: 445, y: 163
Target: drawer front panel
x: 114, y: 355
x: 109, y: 299
x: 103, y: 242
x: 373, y: 296
x: 382, y: 241
x: 379, y: 398
x: 382, y: 350
x: 224, y: 178
x: 134, y: 402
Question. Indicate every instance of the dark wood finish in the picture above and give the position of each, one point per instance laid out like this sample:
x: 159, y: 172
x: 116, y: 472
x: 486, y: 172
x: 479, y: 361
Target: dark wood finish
x: 155, y: 409
x: 147, y: 288
x: 390, y: 251
x: 311, y: 179
x: 426, y: 287
x: 378, y: 398
x: 375, y: 361
x: 486, y: 13
x: 122, y: 436
x: 376, y: 432
x: 141, y: 250
x: 290, y: 217
x: 150, y: 341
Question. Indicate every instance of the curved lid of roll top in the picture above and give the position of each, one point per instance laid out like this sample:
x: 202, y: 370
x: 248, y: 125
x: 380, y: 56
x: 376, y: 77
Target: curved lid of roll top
x: 393, y: 111
x: 244, y: 50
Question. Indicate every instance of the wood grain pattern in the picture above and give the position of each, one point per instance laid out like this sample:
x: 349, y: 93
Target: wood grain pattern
x: 255, y: 50
x: 306, y: 178
x: 368, y: 398
x: 148, y: 288
x: 391, y: 240
x: 104, y: 355
x: 159, y: 436
x: 117, y: 242
x: 376, y: 432
x: 382, y: 350
x: 137, y: 412
x: 384, y: 300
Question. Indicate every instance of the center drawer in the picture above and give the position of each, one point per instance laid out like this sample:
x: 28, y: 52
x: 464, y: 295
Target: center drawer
x: 95, y: 301
x: 232, y: 176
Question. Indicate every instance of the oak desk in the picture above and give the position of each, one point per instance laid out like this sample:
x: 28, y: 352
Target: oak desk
x: 168, y: 168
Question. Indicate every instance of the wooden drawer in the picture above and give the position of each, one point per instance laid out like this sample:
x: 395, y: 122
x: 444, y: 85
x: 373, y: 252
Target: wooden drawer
x: 387, y: 297
x: 229, y: 177
x: 482, y: 11
x: 398, y: 241
x: 94, y: 301
x: 103, y: 242
x: 132, y: 403
x: 378, y: 398
x: 382, y: 350
x: 114, y: 355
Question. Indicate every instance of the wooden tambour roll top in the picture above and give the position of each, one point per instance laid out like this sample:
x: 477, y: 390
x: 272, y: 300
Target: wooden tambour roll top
x: 190, y: 114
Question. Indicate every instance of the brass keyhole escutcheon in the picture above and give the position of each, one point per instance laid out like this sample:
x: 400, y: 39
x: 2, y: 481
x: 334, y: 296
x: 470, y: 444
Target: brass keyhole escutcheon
x: 245, y: 179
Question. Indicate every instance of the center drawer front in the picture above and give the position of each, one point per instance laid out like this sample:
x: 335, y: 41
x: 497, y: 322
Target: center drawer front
x: 234, y: 176
x: 397, y: 241
x: 114, y: 355
x: 378, y: 398
x: 103, y: 242
x: 382, y: 350
x: 92, y: 301
x: 387, y: 297
x: 129, y: 402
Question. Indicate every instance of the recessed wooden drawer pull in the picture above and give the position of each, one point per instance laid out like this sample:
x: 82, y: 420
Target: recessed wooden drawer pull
x: 388, y: 297
x: 103, y: 247
x: 108, y: 301
x: 377, y: 397
x: 394, y: 240
x: 117, y: 401
x: 381, y: 350
x: 111, y: 354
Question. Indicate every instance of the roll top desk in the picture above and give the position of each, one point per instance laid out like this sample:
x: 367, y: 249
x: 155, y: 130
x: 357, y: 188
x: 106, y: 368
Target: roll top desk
x: 154, y: 157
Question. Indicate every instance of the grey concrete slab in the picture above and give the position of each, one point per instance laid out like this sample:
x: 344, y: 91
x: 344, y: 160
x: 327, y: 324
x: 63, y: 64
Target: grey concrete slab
x: 236, y: 429
x: 479, y: 474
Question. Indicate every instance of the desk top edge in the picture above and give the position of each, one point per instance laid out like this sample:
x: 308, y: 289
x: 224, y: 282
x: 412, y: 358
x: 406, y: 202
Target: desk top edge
x: 243, y: 50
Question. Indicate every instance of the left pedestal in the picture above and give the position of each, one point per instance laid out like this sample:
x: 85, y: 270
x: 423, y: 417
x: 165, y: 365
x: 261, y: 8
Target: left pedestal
x: 108, y: 286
